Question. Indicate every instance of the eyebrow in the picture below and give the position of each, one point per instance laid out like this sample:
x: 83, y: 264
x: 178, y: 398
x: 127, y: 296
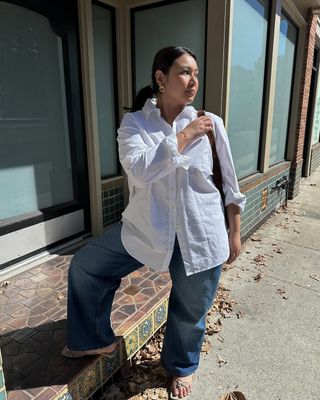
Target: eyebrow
x: 187, y: 67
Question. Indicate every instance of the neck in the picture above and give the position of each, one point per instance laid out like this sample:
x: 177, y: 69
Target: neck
x: 169, y: 112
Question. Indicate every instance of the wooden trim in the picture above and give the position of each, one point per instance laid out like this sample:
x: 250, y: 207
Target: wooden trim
x: 90, y: 114
x: 250, y: 183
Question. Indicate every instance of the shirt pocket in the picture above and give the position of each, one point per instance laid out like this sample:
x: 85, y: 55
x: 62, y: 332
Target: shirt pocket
x: 200, y: 153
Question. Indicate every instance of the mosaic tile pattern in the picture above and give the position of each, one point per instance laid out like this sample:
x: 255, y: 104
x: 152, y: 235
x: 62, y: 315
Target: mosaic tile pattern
x: 315, y: 158
x: 112, y: 203
x: 254, y: 213
x: 3, y: 393
x: 33, y: 326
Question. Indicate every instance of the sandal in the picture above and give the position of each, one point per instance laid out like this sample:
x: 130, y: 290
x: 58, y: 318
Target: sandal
x: 66, y: 352
x: 178, y: 383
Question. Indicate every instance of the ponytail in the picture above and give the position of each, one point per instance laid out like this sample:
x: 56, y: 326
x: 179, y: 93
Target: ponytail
x: 144, y: 94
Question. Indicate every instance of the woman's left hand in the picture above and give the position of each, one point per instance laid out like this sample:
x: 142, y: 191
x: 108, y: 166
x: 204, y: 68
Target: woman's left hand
x: 235, y: 246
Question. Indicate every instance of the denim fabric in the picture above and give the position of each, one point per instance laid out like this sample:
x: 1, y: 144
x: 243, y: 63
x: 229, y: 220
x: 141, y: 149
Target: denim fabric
x: 95, y: 274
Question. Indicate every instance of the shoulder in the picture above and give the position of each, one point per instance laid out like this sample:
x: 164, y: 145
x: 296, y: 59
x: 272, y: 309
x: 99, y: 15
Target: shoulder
x: 132, y: 119
x: 215, y: 118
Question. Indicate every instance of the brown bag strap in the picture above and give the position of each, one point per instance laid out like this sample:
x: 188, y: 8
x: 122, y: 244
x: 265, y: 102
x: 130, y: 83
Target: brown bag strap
x: 216, y: 171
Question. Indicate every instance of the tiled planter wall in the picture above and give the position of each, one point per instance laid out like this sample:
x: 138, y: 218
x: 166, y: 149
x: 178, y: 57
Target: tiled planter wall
x: 3, y: 395
x: 315, y: 158
x: 112, y: 201
x: 262, y: 200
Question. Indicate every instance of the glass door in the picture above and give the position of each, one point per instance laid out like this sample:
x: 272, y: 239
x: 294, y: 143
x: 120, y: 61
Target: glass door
x: 43, y: 177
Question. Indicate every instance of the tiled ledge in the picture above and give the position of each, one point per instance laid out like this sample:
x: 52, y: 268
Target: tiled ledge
x: 33, y: 327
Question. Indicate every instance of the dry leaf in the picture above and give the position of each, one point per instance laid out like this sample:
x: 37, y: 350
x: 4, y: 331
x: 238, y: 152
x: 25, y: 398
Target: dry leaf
x: 255, y: 237
x: 233, y: 396
x: 221, y: 361
x: 260, y: 259
x: 4, y: 284
x: 258, y: 277
x: 315, y: 277
x: 206, y: 346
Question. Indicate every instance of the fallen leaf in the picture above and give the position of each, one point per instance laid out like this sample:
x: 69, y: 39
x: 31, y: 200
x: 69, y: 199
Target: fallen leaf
x: 315, y: 277
x: 4, y: 284
x: 258, y: 277
x: 221, y: 361
x: 255, y: 237
x: 206, y: 346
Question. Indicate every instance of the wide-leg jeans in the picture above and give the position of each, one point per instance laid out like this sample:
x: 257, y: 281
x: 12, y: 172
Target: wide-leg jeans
x: 95, y: 274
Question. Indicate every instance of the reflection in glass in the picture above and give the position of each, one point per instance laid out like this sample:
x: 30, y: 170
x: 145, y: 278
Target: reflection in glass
x: 35, y: 164
x: 181, y: 24
x: 248, y: 55
x: 285, y: 64
x: 104, y: 76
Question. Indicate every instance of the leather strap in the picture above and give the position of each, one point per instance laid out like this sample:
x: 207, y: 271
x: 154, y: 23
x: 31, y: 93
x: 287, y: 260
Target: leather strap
x: 216, y: 170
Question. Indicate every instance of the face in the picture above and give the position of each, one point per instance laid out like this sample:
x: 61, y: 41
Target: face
x: 181, y: 83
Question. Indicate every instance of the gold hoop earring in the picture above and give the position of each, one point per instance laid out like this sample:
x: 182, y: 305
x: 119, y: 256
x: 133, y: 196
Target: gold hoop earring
x: 161, y: 89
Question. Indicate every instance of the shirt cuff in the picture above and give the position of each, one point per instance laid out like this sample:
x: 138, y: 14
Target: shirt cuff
x: 236, y: 198
x: 179, y: 160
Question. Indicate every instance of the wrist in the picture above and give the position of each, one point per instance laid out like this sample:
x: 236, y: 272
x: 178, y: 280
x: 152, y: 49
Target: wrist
x: 185, y: 134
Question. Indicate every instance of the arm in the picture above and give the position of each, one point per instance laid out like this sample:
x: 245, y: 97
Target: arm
x: 144, y: 163
x: 233, y: 215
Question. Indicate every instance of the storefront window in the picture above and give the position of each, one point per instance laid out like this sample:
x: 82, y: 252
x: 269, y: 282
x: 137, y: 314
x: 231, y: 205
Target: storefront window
x: 104, y: 60
x: 285, y: 64
x: 248, y: 56
x: 35, y: 157
x: 315, y: 136
x: 179, y: 24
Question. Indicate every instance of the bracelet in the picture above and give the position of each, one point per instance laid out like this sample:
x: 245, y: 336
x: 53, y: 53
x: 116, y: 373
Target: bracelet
x: 185, y: 135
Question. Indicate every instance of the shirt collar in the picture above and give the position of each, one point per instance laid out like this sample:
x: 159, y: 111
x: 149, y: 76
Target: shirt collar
x: 150, y: 106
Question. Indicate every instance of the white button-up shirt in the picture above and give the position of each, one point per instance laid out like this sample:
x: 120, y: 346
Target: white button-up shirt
x: 173, y: 193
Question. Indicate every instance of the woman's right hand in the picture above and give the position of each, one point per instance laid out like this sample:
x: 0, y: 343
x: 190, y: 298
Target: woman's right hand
x: 198, y: 128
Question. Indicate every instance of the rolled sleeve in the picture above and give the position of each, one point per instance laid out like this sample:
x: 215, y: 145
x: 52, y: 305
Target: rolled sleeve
x: 229, y: 178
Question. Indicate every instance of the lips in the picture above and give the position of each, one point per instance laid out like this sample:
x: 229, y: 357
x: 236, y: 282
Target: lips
x: 190, y: 92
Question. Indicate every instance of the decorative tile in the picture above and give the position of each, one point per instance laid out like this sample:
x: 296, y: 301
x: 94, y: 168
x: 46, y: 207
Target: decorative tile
x: 145, y: 329
x: 131, y: 341
x: 73, y: 390
x: 90, y: 380
x: 160, y: 315
x: 132, y: 290
x: 66, y: 396
x: 110, y: 365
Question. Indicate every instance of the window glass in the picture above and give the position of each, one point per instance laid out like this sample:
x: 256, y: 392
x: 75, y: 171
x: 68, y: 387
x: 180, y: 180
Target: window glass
x: 248, y: 56
x: 178, y: 24
x: 104, y: 61
x: 35, y: 160
x: 315, y: 136
x: 285, y: 64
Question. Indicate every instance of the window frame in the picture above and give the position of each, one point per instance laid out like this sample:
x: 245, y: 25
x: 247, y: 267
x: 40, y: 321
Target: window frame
x: 115, y: 79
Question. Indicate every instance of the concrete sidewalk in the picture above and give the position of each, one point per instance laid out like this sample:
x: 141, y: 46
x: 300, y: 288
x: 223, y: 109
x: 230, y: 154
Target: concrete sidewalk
x: 272, y: 348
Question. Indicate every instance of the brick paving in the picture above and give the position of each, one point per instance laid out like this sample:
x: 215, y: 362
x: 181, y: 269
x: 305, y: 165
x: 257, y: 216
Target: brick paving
x: 33, y: 325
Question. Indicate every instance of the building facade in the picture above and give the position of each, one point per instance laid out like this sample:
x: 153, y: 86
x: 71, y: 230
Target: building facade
x: 69, y: 69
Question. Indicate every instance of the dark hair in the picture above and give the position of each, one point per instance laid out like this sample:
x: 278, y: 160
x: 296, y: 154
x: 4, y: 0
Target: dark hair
x: 163, y: 61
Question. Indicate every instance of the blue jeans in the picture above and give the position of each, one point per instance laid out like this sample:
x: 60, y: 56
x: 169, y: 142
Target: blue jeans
x: 95, y: 274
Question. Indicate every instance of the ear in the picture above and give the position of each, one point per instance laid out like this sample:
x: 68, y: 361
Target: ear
x: 161, y: 78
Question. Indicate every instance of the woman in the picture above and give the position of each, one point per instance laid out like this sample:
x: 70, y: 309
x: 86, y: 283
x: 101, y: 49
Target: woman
x: 174, y: 220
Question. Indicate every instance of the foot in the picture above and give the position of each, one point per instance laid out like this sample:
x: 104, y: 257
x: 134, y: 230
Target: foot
x: 181, y: 387
x: 108, y: 351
